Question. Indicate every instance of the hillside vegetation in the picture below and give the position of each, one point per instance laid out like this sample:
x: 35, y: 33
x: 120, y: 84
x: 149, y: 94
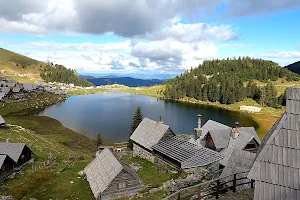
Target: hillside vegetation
x: 14, y: 65
x: 295, y: 67
x: 59, y: 73
x: 224, y: 81
x: 25, y: 69
x: 128, y: 81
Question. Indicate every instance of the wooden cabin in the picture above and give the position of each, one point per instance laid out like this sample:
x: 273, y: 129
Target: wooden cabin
x: 148, y: 134
x: 19, y: 152
x: 111, y: 179
x: 277, y: 163
x: 6, y: 167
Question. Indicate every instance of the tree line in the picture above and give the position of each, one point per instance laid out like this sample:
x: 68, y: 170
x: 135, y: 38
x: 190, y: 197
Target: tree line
x: 223, y: 81
x: 59, y: 73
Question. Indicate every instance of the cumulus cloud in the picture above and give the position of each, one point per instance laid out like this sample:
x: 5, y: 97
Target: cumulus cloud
x: 194, y: 32
x: 252, y: 7
x: 126, y: 18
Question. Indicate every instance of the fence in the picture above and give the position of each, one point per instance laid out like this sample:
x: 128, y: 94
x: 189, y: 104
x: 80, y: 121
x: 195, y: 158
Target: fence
x: 213, y: 188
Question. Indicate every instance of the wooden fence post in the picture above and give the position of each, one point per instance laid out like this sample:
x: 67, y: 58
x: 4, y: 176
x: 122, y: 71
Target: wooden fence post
x: 217, y: 190
x: 178, y: 196
x: 234, y: 183
x: 199, y: 193
x: 252, y: 183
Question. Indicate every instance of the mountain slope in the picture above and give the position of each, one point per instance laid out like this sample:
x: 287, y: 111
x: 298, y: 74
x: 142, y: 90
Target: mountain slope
x: 128, y: 81
x: 25, y: 69
x: 294, y: 67
x: 19, y: 67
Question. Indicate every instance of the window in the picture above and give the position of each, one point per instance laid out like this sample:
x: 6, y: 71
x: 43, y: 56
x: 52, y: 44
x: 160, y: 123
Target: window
x: 122, y: 185
x: 22, y: 156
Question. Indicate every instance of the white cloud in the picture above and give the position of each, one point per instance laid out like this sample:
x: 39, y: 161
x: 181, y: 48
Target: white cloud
x: 194, y: 32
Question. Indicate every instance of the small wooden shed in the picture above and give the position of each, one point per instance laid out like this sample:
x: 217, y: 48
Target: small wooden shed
x: 6, y: 167
x: 19, y: 152
x: 111, y: 179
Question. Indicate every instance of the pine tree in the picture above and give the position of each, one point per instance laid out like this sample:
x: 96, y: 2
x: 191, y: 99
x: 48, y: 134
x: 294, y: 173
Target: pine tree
x: 99, y: 139
x: 137, y: 119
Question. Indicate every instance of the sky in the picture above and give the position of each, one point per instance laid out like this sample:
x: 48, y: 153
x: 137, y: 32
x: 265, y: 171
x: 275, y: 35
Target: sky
x: 149, y: 39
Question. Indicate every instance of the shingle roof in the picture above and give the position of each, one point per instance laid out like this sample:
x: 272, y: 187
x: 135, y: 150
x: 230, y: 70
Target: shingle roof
x: 221, y: 137
x: 239, y: 143
x: 186, y: 153
x: 102, y: 171
x: 251, y: 130
x: 212, y: 125
x: 239, y: 161
x: 277, y: 165
x: 5, y: 90
x: 149, y: 132
x: 2, y: 121
x: 13, y: 150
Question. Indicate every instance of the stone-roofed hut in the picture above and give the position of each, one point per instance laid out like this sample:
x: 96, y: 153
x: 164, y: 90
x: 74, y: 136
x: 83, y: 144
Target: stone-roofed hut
x: 241, y: 140
x: 19, y: 152
x: 212, y: 125
x: 239, y: 161
x: 110, y: 179
x: 184, y: 155
x: 6, y: 167
x: 148, y: 134
x: 276, y: 169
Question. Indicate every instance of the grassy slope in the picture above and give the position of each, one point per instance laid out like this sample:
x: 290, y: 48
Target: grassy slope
x: 9, y: 61
x: 72, y: 152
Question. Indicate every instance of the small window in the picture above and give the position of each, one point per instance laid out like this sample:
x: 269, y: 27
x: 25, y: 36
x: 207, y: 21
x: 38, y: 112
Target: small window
x: 122, y: 185
x: 22, y: 156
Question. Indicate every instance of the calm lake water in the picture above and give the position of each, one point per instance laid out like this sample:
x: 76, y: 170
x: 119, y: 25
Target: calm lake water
x: 111, y: 114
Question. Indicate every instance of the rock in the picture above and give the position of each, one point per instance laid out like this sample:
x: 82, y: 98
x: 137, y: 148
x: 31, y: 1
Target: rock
x: 71, y: 182
x: 6, y: 198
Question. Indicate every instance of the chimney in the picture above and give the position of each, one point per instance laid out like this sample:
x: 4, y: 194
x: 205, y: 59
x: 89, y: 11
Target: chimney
x: 235, y: 132
x: 198, y: 129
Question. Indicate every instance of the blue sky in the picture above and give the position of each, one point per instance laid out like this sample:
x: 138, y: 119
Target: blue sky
x: 150, y: 39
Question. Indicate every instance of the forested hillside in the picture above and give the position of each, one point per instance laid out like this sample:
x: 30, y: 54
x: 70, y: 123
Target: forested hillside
x: 59, y: 73
x: 128, y: 81
x: 223, y: 81
x: 295, y: 67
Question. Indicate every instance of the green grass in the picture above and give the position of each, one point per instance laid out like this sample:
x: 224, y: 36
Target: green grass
x: 14, y: 64
x: 154, y: 91
x: 30, y: 106
x: 149, y: 172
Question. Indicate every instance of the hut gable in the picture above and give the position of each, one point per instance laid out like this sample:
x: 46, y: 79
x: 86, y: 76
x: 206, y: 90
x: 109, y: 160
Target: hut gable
x: 276, y: 169
x: 19, y: 152
x: 212, y: 125
x: 102, y: 171
x: 220, y: 137
x: 250, y: 130
x: 107, y: 176
x: 150, y: 132
x: 2, y: 121
x: 183, y: 154
x: 240, y: 142
x: 6, y: 167
x: 239, y: 161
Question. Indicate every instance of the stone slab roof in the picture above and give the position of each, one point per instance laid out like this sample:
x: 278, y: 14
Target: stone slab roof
x: 149, y: 133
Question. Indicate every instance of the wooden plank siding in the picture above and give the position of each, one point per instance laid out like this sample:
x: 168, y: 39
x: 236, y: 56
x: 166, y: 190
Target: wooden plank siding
x: 124, y: 176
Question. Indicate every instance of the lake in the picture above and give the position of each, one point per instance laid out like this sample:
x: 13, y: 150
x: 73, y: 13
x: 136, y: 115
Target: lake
x: 111, y: 114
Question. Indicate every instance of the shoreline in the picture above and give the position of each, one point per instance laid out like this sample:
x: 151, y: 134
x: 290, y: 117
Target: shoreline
x: 264, y: 119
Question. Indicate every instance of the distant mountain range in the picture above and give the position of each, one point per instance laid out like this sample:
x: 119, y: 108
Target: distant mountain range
x: 295, y: 67
x: 128, y: 81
